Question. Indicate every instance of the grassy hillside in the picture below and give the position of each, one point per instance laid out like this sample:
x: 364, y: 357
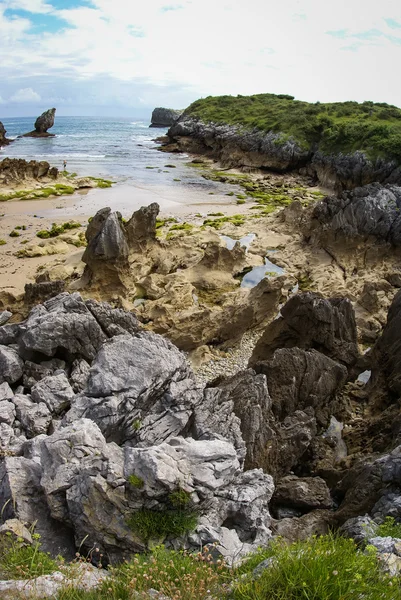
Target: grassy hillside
x: 336, y: 127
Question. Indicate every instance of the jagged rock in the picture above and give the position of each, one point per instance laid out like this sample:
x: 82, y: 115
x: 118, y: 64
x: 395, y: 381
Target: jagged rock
x: 5, y: 316
x: 3, y: 140
x: 387, y: 352
x: 235, y: 147
x: 306, y: 493
x: 62, y: 322
x: 55, y: 391
x: 39, y: 292
x: 17, y: 530
x: 86, y: 578
x: 34, y: 372
x: 7, y: 412
x: 360, y: 529
x: 139, y: 389
x: 373, y: 210
x: 35, y: 418
x: 42, y: 124
x: 164, y: 117
x: 79, y: 374
x: 21, y: 497
x: 17, y: 170
x: 317, y: 522
x: 389, y: 505
x: 311, y: 322
x: 113, y: 321
x: 11, y: 365
x: 6, y: 392
x: 141, y: 228
x: 298, y: 378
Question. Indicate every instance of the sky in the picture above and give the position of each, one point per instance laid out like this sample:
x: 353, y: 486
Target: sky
x: 124, y: 57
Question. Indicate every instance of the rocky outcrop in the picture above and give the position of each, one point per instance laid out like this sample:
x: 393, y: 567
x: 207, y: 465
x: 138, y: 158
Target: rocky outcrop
x: 18, y: 170
x: 42, y: 124
x: 387, y: 352
x: 164, y: 117
x: 367, y: 212
x: 113, y: 425
x: 311, y: 322
x: 235, y: 146
x: 3, y: 140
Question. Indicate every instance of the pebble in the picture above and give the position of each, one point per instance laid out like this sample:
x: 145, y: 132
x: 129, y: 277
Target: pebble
x: 236, y: 360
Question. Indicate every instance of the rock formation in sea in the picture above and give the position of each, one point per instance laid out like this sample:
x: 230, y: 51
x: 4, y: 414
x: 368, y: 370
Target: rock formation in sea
x: 164, y: 117
x: 44, y: 122
x: 3, y: 140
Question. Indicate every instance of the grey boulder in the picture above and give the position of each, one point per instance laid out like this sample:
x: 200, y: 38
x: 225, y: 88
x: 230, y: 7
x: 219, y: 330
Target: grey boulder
x: 11, y: 365
x: 55, y: 391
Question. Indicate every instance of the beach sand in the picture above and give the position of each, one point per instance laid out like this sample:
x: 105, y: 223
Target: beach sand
x: 182, y: 202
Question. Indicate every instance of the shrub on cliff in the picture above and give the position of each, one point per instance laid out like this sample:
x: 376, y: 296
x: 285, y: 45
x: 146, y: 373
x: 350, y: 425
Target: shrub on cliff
x: 373, y: 128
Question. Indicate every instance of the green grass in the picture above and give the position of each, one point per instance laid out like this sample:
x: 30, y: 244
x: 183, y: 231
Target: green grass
x: 162, y: 222
x: 19, y: 561
x: 152, y: 525
x: 389, y: 528
x: 218, y: 223
x: 14, y: 233
x: 374, y: 128
x: 56, y: 230
x: 180, y: 227
x: 321, y: 568
x: 136, y: 482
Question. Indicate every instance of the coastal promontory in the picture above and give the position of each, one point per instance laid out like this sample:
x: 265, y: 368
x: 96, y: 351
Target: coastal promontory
x: 164, y: 117
x: 342, y: 145
x: 3, y: 140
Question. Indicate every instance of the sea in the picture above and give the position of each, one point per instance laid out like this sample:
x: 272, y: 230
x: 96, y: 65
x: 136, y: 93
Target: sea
x: 123, y: 150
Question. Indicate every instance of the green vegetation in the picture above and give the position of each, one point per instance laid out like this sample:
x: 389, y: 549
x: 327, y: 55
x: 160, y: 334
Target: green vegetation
x: 176, y: 179
x: 240, y: 201
x: 162, y: 222
x: 180, y: 498
x: 180, y: 227
x: 2, y: 242
x: 14, y: 233
x: 374, y: 128
x: 56, y: 230
x: 389, y: 528
x: 102, y: 183
x: 170, y: 166
x: 305, y: 283
x: 19, y: 561
x: 218, y: 223
x: 323, y: 568
x: 217, y: 214
x: 135, y: 481
x: 151, y: 525
x: 59, y: 189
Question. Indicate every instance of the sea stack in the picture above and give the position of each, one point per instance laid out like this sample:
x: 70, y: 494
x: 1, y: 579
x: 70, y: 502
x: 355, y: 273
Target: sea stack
x: 164, y: 117
x: 42, y: 124
x: 3, y: 140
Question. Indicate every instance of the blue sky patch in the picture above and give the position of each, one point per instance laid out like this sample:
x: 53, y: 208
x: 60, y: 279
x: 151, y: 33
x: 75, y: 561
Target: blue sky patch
x: 40, y: 23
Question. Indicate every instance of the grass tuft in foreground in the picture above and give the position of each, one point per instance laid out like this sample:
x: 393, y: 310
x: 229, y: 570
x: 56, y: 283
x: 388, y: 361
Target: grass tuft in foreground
x: 321, y: 568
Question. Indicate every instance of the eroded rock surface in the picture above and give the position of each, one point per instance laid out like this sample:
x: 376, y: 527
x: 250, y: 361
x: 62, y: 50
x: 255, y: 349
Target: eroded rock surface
x: 44, y: 122
x: 3, y: 140
x: 164, y: 117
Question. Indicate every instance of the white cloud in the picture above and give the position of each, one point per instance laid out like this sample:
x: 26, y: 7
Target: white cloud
x: 33, y: 6
x: 205, y: 47
x: 25, y: 95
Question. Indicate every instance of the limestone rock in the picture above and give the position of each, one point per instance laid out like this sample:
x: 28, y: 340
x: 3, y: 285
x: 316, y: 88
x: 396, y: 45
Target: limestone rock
x: 62, y: 322
x: 7, y: 412
x: 55, y: 391
x: 306, y: 493
x: 387, y: 351
x: 311, y: 322
x: 79, y: 374
x: 17, y: 530
x: 11, y: 365
x: 317, y: 522
x: 141, y: 228
x: 6, y: 392
x: 39, y: 292
x: 86, y: 579
x: 5, y: 315
x: 139, y: 389
x: 298, y: 378
x: 42, y: 124
x: 370, y: 211
x: 34, y: 418
x: 3, y: 140
x: 164, y: 117
x: 360, y: 529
